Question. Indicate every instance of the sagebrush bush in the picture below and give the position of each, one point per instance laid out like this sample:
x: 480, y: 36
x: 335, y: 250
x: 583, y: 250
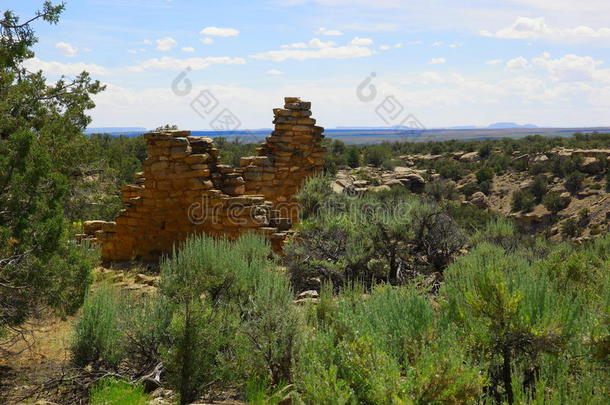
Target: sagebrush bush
x: 98, y: 339
x: 441, y: 190
x: 144, y: 322
x: 570, y: 228
x: 522, y: 200
x: 510, y: 311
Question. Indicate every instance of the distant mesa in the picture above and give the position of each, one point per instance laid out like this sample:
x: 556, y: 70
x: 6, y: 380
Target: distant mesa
x: 506, y: 125
x: 114, y: 130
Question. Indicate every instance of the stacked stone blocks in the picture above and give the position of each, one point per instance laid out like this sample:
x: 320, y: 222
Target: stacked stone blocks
x: 184, y: 189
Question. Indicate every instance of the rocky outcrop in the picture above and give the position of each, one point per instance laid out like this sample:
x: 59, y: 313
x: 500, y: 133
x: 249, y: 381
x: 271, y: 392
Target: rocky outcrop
x: 185, y: 190
x: 349, y: 182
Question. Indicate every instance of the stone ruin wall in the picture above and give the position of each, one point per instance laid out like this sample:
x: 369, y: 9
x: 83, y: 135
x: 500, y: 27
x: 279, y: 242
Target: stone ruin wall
x: 184, y: 189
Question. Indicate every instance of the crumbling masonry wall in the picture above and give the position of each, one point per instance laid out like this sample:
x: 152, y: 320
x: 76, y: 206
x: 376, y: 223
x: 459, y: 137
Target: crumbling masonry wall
x: 185, y: 190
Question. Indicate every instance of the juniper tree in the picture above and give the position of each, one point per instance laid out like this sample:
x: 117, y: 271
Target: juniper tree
x: 40, y: 125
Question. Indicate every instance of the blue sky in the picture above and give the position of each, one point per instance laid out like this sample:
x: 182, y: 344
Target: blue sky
x: 448, y: 63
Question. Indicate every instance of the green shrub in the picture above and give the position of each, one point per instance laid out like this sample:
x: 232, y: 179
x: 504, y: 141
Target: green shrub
x: 470, y: 188
x: 353, y: 157
x: 574, y: 181
x: 449, y: 169
x: 485, y: 150
x: 500, y: 232
x: 570, y: 228
x: 144, y: 322
x: 197, y: 335
x: 373, y: 375
x: 110, y: 391
x: 444, y: 373
x: 399, y: 319
x: 522, y: 200
x: 376, y: 155
x: 484, y: 174
x: 554, y: 203
x: 315, y: 192
x: 97, y: 338
x: 539, y: 188
x: 510, y: 312
x: 272, y: 327
x: 317, y: 372
x: 441, y: 190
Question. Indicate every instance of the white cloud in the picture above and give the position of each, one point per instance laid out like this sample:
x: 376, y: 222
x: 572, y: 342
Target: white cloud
x: 537, y: 28
x: 362, y: 41
x: 398, y: 45
x: 169, y: 63
x: 274, y: 72
x: 166, y: 44
x: 517, y: 64
x: 207, y: 41
x: 69, y: 69
x: 325, y: 31
x: 573, y: 68
x: 296, y: 45
x: 314, y: 43
x: 438, y: 43
x: 188, y: 49
x: 147, y: 42
x: 133, y: 51
x: 493, y: 62
x: 220, y: 32
x: 340, y: 52
x: 437, y: 61
x: 385, y: 47
x: 66, y: 49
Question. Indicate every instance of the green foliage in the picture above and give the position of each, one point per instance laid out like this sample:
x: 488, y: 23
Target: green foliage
x: 523, y: 200
x: 314, y: 195
x: 144, y: 323
x: 539, y: 188
x: 509, y: 311
x: 353, y: 157
x: 167, y: 127
x: 377, y: 155
x: 110, y: 391
x: 441, y: 190
x: 97, y: 336
x: 271, y: 325
x: 228, y: 302
x: 554, y: 203
x: 232, y: 151
x: 484, y: 174
x: 485, y: 150
x: 449, y: 169
x: 500, y: 232
x: 574, y: 181
x: 570, y: 228
x: 40, y: 131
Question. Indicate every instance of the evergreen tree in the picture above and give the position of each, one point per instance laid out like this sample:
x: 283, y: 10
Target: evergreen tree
x: 41, y: 126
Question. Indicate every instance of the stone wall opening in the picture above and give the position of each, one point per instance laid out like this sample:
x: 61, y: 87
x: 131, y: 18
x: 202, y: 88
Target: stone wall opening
x: 184, y: 189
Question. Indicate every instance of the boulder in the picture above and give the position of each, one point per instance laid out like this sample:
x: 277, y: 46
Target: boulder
x: 470, y: 157
x: 479, y: 200
x: 416, y: 182
x: 377, y: 189
x: 591, y: 165
x: 308, y: 294
x: 393, y: 182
